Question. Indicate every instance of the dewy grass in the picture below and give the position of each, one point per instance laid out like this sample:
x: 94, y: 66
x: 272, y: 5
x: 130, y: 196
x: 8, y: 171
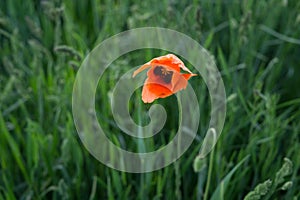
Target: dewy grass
x: 256, y: 47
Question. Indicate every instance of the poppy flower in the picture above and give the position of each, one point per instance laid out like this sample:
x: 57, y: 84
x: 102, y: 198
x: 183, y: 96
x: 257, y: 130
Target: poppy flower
x: 164, y: 77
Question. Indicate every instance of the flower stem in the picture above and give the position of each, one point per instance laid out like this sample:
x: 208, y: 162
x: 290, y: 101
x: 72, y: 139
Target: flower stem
x: 209, y: 175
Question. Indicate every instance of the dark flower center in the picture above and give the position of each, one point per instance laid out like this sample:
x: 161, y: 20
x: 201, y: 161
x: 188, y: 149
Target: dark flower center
x: 163, y: 73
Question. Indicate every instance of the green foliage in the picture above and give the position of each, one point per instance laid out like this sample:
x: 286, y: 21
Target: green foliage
x: 268, y: 187
x: 219, y: 192
x: 256, y: 47
x: 259, y: 191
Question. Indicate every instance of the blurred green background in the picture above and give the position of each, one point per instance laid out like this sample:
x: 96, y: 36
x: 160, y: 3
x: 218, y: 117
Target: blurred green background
x: 256, y: 48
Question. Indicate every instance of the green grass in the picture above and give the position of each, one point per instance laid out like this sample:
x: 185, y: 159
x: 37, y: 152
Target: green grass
x: 256, y: 47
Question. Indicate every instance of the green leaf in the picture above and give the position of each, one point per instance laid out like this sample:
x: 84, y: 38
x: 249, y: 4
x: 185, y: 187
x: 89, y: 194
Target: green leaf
x: 219, y: 192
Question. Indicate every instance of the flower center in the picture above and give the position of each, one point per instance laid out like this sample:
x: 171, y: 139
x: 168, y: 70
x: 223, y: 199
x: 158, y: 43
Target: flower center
x: 163, y: 73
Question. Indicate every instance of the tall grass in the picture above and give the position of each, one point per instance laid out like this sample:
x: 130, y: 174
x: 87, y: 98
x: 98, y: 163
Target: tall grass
x: 256, y: 47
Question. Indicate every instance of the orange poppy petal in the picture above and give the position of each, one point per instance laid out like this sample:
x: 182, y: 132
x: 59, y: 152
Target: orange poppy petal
x: 172, y: 61
x: 188, y: 76
x: 152, y: 91
x: 166, y: 62
x: 159, y: 90
x: 142, y: 68
x: 178, y: 82
x: 164, y: 77
x: 147, y: 96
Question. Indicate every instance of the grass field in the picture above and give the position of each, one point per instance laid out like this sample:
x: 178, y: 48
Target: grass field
x: 256, y: 45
